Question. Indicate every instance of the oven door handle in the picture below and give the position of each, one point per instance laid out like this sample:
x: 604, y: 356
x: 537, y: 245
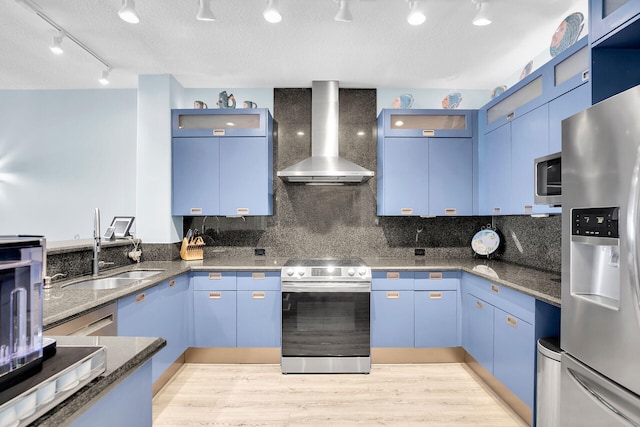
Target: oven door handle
x: 326, y: 287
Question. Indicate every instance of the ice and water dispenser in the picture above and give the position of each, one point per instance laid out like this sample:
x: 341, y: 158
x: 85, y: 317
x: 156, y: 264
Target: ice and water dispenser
x: 22, y: 262
x: 595, y: 255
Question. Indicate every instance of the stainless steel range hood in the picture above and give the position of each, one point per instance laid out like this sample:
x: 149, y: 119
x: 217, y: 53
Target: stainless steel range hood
x: 325, y: 166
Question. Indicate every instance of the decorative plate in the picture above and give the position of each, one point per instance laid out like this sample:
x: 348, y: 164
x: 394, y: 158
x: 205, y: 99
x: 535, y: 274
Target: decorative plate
x: 485, y: 242
x: 567, y: 33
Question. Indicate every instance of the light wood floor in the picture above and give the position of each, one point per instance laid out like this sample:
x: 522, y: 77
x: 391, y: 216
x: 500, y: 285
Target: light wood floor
x: 391, y: 395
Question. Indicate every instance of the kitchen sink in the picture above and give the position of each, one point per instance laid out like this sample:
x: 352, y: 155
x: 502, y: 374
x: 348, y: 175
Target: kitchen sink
x: 137, y: 274
x: 102, y: 283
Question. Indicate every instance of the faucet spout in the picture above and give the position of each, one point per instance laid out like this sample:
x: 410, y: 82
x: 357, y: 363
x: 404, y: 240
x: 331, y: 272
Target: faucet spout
x: 96, y: 243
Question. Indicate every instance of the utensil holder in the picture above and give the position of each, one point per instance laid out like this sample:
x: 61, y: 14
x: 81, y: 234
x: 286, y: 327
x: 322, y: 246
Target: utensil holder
x: 193, y: 249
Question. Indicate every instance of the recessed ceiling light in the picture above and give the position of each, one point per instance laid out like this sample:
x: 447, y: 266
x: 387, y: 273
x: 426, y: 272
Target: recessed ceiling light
x: 416, y: 15
x: 128, y: 12
x: 271, y: 13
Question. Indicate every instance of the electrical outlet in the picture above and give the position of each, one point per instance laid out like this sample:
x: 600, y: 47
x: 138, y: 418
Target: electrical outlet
x: 259, y: 252
x: 419, y: 252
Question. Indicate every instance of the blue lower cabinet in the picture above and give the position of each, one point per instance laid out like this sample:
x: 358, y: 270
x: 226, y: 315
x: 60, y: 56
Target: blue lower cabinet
x: 514, y: 355
x: 214, y: 321
x: 392, y: 319
x: 436, y: 319
x: 477, y: 331
x: 127, y: 404
x: 259, y: 318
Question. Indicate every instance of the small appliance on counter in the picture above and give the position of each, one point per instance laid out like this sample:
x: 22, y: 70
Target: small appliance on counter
x: 22, y: 263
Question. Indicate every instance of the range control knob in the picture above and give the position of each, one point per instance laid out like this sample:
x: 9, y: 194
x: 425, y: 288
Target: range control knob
x: 362, y: 271
x: 351, y: 272
x: 290, y: 272
x: 301, y: 272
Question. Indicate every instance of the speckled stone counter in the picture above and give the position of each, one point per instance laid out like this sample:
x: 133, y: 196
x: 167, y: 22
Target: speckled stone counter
x: 62, y: 304
x: 124, y: 355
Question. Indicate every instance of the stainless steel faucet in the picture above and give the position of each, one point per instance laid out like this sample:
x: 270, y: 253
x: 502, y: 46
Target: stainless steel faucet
x: 96, y: 243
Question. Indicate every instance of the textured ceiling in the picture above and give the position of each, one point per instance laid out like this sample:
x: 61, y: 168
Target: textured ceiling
x: 378, y: 49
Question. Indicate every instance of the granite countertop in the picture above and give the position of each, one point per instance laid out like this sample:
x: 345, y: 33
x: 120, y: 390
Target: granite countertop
x: 124, y: 355
x: 62, y: 304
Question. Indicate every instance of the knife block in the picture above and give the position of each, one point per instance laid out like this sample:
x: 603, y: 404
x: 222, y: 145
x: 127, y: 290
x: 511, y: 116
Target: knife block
x: 193, y: 249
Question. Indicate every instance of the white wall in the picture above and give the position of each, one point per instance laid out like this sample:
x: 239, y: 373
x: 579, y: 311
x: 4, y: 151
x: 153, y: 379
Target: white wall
x: 63, y: 153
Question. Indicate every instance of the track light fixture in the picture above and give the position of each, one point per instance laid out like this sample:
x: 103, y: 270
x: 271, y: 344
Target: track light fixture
x: 128, y: 12
x: 482, y: 17
x: 104, y: 77
x: 416, y: 15
x: 344, y: 14
x: 271, y: 13
x: 204, y: 12
x: 56, y: 44
x: 30, y: 4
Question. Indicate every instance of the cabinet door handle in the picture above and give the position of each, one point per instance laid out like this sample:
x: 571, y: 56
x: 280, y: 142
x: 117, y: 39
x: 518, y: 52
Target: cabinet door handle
x: 585, y: 75
x: 406, y: 211
x: 215, y: 295
x: 451, y: 211
x: 495, y: 288
x: 479, y: 305
x: 393, y: 275
x: 258, y: 295
x: 511, y: 116
x: 215, y: 276
x: 528, y: 209
x: 435, y: 295
x: 196, y: 211
x: 172, y: 283
x: 435, y: 276
x: 257, y: 276
x: 140, y: 298
x: 393, y: 295
x: 218, y: 132
x: 242, y: 211
x: 428, y: 132
x: 496, y: 211
x: 512, y: 321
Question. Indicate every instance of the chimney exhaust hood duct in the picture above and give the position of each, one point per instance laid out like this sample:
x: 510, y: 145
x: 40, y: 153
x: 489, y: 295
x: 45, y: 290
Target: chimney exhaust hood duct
x: 325, y: 166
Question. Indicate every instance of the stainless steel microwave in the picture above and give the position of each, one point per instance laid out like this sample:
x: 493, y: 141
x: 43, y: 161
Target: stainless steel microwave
x: 548, y: 180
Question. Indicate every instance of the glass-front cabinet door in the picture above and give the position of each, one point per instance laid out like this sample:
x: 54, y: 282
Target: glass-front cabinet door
x: 606, y: 16
x: 220, y: 122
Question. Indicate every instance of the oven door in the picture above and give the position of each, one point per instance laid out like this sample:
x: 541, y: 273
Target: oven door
x: 326, y: 320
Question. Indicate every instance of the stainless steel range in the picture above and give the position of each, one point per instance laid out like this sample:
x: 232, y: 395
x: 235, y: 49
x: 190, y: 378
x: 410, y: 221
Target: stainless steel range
x: 326, y: 316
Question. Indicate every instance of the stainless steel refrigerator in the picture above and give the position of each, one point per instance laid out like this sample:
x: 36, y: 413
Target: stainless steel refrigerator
x: 600, y: 337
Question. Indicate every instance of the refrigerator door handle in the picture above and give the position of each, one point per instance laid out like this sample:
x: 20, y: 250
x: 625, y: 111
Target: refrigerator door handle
x: 603, y: 396
x: 633, y: 218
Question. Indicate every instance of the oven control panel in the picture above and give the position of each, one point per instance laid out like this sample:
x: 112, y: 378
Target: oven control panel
x: 325, y: 270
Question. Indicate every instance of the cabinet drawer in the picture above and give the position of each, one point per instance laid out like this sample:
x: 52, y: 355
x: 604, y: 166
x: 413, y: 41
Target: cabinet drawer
x: 392, y: 280
x: 214, y: 280
x: 437, y: 280
x: 258, y: 280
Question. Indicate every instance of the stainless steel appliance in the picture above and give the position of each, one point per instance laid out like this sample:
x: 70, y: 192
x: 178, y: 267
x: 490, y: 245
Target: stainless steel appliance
x: 326, y: 316
x: 600, y: 379
x: 548, y: 180
x: 22, y: 261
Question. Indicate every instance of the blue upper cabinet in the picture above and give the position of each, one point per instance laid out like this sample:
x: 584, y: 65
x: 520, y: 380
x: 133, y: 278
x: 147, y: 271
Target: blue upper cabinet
x: 494, y: 172
x: 607, y: 17
x: 615, y: 39
x: 450, y: 176
x: 195, y: 176
x: 405, y: 182
x: 425, y: 162
x: 222, y: 162
x: 563, y: 107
